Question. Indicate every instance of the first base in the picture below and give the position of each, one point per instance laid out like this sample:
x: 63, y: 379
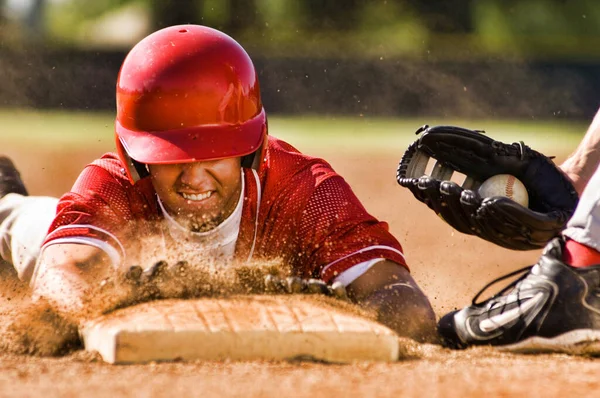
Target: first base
x: 240, y: 328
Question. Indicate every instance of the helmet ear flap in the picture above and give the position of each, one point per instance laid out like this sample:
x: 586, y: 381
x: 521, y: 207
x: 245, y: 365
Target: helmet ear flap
x: 248, y: 160
x: 140, y: 169
x: 253, y: 160
x: 134, y: 169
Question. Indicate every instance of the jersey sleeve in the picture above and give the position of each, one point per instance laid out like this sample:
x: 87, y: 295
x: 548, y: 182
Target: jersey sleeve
x: 97, y: 211
x: 336, y: 232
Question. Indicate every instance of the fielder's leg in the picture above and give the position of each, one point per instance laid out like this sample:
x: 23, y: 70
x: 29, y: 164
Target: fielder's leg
x: 584, y: 226
x: 553, y: 307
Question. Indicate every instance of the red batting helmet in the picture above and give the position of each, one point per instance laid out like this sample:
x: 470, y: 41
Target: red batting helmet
x: 188, y: 93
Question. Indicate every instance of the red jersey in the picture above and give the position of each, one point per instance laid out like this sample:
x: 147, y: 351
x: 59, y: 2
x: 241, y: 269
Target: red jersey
x: 296, y: 208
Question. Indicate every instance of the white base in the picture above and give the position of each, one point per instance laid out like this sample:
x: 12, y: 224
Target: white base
x: 241, y: 328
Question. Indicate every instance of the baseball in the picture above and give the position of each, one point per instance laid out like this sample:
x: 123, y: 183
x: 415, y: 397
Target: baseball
x: 505, y: 185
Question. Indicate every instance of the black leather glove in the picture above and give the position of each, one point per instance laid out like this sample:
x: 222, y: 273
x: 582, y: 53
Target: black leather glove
x: 498, y: 219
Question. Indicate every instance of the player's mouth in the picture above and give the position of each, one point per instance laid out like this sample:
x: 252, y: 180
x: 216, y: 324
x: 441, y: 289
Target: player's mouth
x: 197, y: 197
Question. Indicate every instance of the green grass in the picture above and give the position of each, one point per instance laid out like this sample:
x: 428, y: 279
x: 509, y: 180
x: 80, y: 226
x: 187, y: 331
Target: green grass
x: 352, y: 134
x: 385, y: 134
x: 56, y: 128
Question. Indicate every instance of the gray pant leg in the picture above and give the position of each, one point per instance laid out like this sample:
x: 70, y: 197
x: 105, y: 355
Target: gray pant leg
x: 24, y: 223
x: 584, y: 226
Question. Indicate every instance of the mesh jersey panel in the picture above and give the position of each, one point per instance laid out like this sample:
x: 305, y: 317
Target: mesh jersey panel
x: 103, y: 204
x: 310, y: 217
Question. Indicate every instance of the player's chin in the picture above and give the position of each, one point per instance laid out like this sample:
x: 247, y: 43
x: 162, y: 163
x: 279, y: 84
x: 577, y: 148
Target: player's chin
x: 203, y: 222
x: 200, y: 219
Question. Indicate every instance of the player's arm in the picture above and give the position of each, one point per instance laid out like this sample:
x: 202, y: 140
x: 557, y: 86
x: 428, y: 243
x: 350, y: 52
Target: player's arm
x: 388, y: 289
x: 82, y: 245
x: 66, y: 272
x: 347, y: 237
x: 582, y: 163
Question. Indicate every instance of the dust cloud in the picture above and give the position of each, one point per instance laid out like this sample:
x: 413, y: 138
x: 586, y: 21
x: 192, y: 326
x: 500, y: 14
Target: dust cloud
x: 31, y: 328
x: 36, y: 328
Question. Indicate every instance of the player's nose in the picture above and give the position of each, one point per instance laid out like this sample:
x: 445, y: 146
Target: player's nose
x: 196, y: 174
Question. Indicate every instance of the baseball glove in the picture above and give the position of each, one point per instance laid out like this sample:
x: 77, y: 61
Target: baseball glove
x: 498, y: 219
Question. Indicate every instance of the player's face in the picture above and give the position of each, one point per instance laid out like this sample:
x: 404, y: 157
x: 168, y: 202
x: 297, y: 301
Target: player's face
x: 199, y: 195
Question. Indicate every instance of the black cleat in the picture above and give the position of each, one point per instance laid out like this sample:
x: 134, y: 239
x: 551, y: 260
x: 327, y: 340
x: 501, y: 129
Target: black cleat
x: 553, y: 307
x: 10, y: 179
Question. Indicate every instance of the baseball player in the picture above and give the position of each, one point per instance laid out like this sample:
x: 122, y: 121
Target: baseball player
x: 554, y: 304
x: 195, y: 166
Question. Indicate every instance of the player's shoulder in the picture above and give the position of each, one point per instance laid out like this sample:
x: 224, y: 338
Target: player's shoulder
x: 105, y: 171
x: 283, y: 158
x: 111, y: 163
x: 106, y: 178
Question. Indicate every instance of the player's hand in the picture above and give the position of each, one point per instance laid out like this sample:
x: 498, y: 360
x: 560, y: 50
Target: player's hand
x: 160, y: 280
x: 135, y: 284
x: 552, y: 197
x: 295, y: 285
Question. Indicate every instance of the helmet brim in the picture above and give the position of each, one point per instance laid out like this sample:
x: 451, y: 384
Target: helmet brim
x: 194, y: 144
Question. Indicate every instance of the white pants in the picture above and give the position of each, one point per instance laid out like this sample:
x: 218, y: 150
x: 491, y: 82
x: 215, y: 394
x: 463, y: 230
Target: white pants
x: 584, y: 226
x: 24, y: 223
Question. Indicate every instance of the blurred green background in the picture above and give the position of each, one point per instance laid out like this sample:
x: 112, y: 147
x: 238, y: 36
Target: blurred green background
x: 349, y: 135
x: 525, y: 66
x: 548, y: 29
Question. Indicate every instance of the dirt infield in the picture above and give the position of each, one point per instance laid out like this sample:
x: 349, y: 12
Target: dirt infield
x: 450, y: 267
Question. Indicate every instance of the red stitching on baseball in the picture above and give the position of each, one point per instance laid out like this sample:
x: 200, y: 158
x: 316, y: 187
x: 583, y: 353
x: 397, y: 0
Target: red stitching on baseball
x: 510, y: 183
